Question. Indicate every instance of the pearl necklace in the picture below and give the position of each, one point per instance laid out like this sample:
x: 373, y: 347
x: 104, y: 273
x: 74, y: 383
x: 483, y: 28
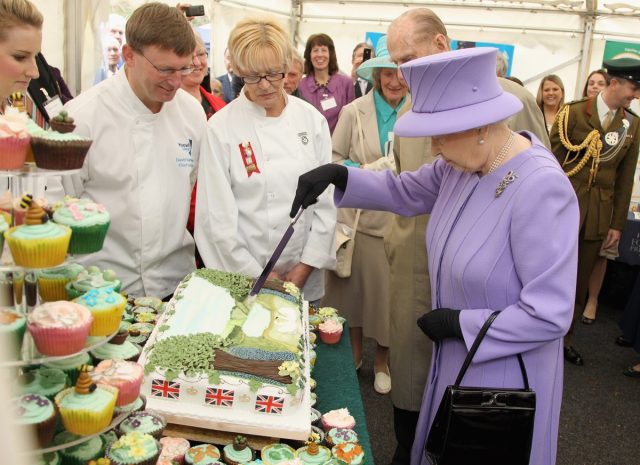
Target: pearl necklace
x: 497, y: 161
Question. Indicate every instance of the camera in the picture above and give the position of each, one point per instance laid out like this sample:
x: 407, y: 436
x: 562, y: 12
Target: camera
x: 366, y: 54
x: 194, y: 10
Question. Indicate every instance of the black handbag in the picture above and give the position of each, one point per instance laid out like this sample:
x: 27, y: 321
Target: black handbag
x: 482, y: 424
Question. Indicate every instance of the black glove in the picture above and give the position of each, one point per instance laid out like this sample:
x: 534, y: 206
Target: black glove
x: 313, y: 183
x: 440, y: 324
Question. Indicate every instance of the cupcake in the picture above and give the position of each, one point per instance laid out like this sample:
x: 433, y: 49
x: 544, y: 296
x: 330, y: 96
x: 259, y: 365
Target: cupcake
x: 14, y: 140
x: 62, y: 123
x: 140, y: 332
x: 88, y: 221
x: 313, y: 454
x: 53, y: 150
x: 274, y: 454
x: 337, y: 436
x: 51, y: 282
x: 13, y: 324
x: 152, y: 302
x: 70, y: 365
x: 174, y: 449
x: 92, y: 278
x: 330, y: 331
x: 79, y: 454
x: 339, y: 418
x: 43, y: 381
x: 349, y: 452
x: 238, y: 453
x: 87, y: 408
x: 314, y: 322
x: 39, y: 243
x: 125, y: 376
x: 141, y: 315
x: 143, y: 422
x: 106, y: 306
x: 137, y: 405
x: 59, y: 328
x: 204, y: 454
x: 37, y: 412
x: 134, y: 448
x: 122, y: 334
x: 125, y: 351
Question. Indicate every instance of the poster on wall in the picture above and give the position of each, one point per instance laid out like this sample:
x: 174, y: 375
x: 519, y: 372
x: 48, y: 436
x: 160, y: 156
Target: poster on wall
x: 505, y: 49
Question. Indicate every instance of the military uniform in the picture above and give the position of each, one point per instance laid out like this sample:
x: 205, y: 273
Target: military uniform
x: 603, y: 196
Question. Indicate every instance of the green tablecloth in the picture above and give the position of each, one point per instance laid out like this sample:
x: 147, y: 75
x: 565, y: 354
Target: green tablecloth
x: 338, y: 386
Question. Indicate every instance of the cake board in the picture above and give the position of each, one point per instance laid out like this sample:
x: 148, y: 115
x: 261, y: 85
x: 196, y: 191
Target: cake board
x: 208, y: 436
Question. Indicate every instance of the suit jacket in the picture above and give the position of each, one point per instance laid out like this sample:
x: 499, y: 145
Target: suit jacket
x: 410, y: 287
x: 346, y: 146
x: 605, y: 203
x: 227, y: 89
x: 358, y: 91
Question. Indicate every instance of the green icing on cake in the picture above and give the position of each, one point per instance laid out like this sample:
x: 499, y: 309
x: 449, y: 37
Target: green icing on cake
x: 142, y: 422
x: 342, y: 435
x: 80, y: 212
x: 59, y: 136
x: 132, y: 407
x: 69, y: 363
x: 33, y: 409
x: 241, y: 456
x: 100, y: 299
x: 93, y: 278
x: 276, y: 453
x: 123, y: 351
x: 204, y: 454
x: 238, y: 284
x: 85, y: 451
x: 45, y: 381
x: 133, y: 448
x: 69, y: 271
x: 39, y: 231
x: 52, y: 458
x: 93, y: 402
x: 320, y: 458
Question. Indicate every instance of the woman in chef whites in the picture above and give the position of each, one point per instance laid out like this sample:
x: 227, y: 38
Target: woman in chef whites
x: 254, y: 150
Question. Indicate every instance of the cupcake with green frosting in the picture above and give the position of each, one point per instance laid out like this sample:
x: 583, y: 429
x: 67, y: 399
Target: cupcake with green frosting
x: 137, y: 405
x: 148, y: 301
x: 349, y: 452
x: 44, y: 381
x: 134, y: 449
x: 13, y: 324
x: 106, y: 306
x: 70, y: 365
x: 313, y: 454
x: 89, y: 222
x: 79, y: 454
x: 140, y: 332
x: 38, y: 243
x: 274, y: 454
x: 51, y: 282
x: 337, y: 436
x: 92, y: 278
x: 86, y: 408
x: 204, y: 454
x: 238, y: 453
x: 36, y: 411
x: 126, y: 350
x: 143, y: 422
x: 53, y: 150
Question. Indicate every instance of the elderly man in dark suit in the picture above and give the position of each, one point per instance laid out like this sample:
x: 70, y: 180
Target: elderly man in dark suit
x: 225, y: 79
x: 596, y: 141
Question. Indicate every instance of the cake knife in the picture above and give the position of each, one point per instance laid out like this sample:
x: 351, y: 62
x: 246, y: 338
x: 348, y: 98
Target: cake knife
x: 274, y: 258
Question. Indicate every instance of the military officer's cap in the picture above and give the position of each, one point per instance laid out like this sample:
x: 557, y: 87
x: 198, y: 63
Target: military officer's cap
x: 625, y: 68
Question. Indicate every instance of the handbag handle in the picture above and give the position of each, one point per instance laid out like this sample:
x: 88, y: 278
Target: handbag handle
x: 474, y: 349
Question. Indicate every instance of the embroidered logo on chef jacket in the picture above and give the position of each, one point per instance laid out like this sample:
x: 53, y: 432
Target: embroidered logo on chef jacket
x: 303, y: 137
x: 187, y: 148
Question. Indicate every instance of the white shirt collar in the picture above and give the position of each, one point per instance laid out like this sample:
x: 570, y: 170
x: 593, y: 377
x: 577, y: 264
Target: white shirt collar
x: 603, y: 108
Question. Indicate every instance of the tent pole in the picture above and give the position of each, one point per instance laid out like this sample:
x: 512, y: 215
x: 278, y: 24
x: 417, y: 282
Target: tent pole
x: 586, y: 49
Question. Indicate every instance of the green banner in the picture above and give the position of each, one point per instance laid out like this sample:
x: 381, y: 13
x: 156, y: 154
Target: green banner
x: 614, y: 49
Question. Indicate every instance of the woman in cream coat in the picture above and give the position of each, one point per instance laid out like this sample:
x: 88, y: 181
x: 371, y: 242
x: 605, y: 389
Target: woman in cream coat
x: 364, y: 137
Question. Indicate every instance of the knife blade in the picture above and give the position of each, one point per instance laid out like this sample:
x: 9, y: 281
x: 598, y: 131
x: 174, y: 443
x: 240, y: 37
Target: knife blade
x: 275, y: 256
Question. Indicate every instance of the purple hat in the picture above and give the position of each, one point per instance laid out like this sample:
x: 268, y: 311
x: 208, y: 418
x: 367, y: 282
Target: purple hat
x: 454, y: 91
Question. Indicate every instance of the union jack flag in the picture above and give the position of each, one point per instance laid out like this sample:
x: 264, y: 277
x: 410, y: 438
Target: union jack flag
x: 164, y: 388
x: 269, y: 404
x: 219, y: 397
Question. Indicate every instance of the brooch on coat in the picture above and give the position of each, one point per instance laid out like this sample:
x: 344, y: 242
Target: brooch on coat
x: 248, y: 158
x: 502, y: 185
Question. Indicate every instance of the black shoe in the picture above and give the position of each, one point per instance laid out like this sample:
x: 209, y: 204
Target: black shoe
x: 587, y: 321
x: 573, y: 356
x: 630, y: 372
x: 622, y: 342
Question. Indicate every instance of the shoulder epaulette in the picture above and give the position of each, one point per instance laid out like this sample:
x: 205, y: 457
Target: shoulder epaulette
x: 577, y: 101
x: 628, y: 110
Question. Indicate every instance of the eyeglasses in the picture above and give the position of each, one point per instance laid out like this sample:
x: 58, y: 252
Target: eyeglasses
x: 169, y: 71
x: 273, y: 77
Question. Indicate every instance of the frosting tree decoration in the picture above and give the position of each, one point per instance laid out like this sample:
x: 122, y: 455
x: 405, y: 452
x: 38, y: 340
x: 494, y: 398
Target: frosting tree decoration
x: 85, y: 384
x: 239, y: 443
x: 35, y: 213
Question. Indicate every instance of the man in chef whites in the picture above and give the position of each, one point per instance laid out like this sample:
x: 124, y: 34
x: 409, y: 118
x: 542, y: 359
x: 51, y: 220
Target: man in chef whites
x: 143, y: 161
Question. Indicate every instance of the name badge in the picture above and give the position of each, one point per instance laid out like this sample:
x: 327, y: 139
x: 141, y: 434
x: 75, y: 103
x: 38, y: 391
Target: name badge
x: 53, y: 106
x: 328, y: 103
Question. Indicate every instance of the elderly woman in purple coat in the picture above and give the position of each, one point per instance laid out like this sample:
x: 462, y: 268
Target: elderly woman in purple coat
x: 502, y: 235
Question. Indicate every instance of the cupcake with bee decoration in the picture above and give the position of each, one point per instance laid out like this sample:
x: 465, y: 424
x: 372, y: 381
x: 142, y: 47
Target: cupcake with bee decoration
x: 38, y: 243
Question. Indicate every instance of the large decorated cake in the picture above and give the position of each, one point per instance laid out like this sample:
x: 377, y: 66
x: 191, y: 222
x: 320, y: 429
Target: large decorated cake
x: 219, y: 359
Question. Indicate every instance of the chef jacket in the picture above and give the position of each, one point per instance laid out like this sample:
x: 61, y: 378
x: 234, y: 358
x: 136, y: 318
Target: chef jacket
x: 242, y: 213
x: 142, y: 167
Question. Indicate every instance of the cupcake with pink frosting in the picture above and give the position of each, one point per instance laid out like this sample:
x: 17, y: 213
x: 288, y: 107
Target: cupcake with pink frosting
x: 59, y: 328
x: 339, y: 418
x: 14, y: 140
x: 330, y: 331
x: 174, y: 449
x: 89, y: 222
x: 126, y: 376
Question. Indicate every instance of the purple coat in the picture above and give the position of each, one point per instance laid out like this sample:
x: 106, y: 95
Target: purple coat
x: 516, y: 253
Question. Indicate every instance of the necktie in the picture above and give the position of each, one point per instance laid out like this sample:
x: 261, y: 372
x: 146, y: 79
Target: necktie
x: 607, y: 120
